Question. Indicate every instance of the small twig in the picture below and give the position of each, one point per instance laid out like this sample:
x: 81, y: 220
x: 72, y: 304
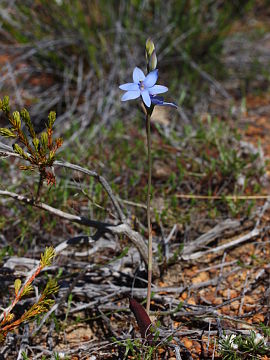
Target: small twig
x: 208, y: 338
x: 254, y: 233
x: 24, y: 342
x: 132, y: 203
x: 219, y: 327
x: 214, y: 350
x: 220, y: 275
x: 262, y: 211
x: 167, y: 240
x: 244, y: 291
x: 222, y: 265
x: 176, y: 351
x: 222, y: 197
x: 213, y: 234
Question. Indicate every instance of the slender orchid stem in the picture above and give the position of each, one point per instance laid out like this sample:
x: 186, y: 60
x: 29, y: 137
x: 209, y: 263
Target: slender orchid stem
x: 150, y: 253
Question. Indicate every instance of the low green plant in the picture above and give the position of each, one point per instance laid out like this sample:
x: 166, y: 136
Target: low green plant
x: 239, y: 347
x: 58, y: 356
x: 140, y: 349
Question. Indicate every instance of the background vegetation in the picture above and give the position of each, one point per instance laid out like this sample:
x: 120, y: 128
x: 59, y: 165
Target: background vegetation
x: 70, y: 56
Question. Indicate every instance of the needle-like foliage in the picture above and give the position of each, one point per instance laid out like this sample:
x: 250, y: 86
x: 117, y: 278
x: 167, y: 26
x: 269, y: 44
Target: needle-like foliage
x: 38, y: 151
x: 42, y: 305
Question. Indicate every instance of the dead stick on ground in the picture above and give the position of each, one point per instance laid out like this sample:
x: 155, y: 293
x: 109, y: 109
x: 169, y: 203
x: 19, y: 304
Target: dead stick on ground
x: 252, y: 234
x: 103, y: 227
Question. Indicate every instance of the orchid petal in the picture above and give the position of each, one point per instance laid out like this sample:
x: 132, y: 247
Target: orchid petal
x: 129, y: 95
x: 169, y: 104
x: 129, y: 87
x: 159, y: 100
x: 146, y: 98
x: 157, y: 89
x: 151, y: 79
x: 138, y: 75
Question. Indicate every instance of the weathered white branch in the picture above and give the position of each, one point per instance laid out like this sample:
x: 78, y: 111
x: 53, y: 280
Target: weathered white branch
x: 119, y: 229
x: 252, y: 234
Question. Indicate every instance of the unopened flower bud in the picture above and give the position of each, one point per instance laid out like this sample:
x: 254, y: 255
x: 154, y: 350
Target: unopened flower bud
x: 149, y: 47
x: 150, y: 54
x: 152, y: 64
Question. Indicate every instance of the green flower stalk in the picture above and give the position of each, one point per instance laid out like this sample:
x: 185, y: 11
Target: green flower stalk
x: 149, y: 226
x: 151, y: 60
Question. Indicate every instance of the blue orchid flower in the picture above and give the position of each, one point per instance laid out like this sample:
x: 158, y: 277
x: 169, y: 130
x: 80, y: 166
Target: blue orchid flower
x: 144, y: 86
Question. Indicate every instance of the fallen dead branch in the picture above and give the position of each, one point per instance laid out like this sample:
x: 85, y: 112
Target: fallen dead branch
x: 251, y: 235
x: 102, y: 227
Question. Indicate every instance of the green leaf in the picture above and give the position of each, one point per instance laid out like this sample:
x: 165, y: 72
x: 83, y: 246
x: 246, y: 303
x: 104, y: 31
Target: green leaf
x: 17, y: 119
x: 7, y: 133
x: 52, y: 118
x: 36, y: 143
x: 27, y: 289
x: 51, y: 288
x: 44, y: 140
x: 51, y: 156
x: 25, y: 116
x: 17, y: 149
x: 27, y: 120
x: 17, y: 285
x: 5, y: 104
x: 47, y: 257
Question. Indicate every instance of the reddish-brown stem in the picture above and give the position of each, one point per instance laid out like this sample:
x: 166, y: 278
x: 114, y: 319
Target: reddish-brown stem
x: 19, y: 294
